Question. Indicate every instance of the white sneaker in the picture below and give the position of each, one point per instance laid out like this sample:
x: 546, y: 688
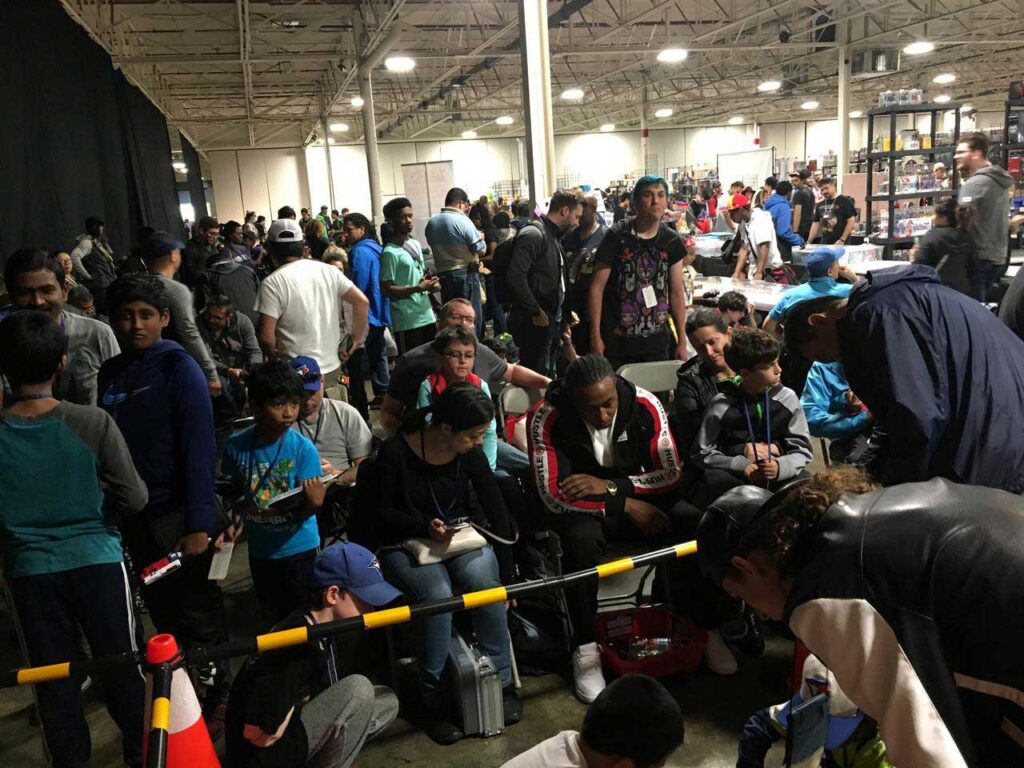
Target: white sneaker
x: 587, y: 673
x: 718, y: 656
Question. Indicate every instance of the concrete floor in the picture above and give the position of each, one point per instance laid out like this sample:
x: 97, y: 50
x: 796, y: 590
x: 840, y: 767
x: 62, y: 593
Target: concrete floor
x: 714, y: 707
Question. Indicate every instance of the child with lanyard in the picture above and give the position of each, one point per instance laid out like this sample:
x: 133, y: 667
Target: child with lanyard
x: 267, y: 459
x: 754, y: 431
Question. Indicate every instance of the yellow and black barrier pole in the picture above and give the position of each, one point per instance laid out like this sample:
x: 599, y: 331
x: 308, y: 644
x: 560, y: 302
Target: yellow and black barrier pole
x: 287, y: 638
x: 159, y: 716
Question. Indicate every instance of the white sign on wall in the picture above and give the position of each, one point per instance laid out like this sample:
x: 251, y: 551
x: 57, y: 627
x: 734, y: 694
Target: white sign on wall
x: 426, y: 185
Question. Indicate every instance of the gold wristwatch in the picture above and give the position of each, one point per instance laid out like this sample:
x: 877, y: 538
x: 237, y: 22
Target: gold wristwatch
x: 611, y: 488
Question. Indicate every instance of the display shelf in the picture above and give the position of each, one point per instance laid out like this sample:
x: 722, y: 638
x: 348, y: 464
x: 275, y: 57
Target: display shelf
x: 921, y: 193
x: 945, y: 149
x: 909, y: 109
x: 876, y: 240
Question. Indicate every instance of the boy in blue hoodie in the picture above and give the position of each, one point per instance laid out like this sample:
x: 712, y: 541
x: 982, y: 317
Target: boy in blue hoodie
x: 779, y: 207
x: 159, y: 399
x: 835, y: 412
x: 264, y: 461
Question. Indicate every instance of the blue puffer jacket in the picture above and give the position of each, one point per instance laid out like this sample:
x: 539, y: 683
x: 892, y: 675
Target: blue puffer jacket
x: 782, y: 216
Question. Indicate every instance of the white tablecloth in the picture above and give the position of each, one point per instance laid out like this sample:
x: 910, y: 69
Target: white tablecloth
x: 761, y: 294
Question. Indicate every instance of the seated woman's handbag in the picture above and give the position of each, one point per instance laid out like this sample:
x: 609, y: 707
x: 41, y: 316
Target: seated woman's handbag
x: 429, y: 551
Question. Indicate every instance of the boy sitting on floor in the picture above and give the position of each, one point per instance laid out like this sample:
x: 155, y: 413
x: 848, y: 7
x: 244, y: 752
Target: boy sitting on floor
x: 754, y: 431
x: 266, y: 460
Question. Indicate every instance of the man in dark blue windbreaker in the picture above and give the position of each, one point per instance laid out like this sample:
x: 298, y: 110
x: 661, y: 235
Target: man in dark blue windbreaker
x: 942, y: 375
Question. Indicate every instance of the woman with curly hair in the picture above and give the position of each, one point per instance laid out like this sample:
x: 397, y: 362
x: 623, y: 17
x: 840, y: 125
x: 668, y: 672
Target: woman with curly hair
x: 912, y: 595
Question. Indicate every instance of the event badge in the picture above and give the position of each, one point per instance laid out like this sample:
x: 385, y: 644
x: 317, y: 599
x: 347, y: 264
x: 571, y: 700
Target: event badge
x: 650, y: 300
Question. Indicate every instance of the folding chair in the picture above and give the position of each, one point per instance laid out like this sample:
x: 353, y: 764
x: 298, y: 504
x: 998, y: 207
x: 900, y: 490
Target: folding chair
x: 658, y: 378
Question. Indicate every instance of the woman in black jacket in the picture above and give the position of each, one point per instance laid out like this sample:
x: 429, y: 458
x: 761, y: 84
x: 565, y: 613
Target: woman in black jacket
x: 418, y: 491
x: 948, y: 247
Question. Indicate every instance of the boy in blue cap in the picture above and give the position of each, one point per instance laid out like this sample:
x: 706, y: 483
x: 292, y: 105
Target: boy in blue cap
x: 305, y: 705
x: 823, y: 268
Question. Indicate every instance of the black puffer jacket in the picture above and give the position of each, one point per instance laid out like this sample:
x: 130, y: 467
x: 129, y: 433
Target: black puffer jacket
x: 695, y: 387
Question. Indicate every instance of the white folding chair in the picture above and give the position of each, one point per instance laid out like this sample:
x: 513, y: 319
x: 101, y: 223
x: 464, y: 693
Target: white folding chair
x: 657, y: 378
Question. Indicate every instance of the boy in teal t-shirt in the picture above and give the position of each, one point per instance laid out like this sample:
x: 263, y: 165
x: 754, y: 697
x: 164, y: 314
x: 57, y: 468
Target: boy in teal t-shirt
x: 64, y: 470
x: 266, y: 460
x: 403, y: 280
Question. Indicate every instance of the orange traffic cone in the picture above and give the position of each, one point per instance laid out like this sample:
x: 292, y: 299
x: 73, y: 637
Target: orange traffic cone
x: 188, y: 741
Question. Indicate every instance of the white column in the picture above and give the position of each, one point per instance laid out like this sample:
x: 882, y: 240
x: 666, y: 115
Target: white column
x: 540, y: 129
x: 645, y: 134
x: 843, y: 158
x: 370, y: 145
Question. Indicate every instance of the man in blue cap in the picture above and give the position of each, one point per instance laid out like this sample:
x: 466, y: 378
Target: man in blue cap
x: 823, y: 268
x: 642, y: 259
x: 306, y: 705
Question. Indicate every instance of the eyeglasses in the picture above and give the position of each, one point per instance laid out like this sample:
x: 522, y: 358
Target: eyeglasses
x: 464, y: 319
x: 460, y: 356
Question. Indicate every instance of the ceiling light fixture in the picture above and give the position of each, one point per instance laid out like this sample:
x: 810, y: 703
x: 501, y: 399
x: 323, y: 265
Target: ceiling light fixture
x: 572, y: 94
x: 357, y: 101
x: 809, y: 104
x: 736, y: 120
x: 672, y: 55
x: 399, y: 63
x: 966, y: 108
x: 663, y: 112
x: 505, y: 120
x: 918, y: 48
x: 607, y: 128
x: 769, y: 85
x: 469, y: 134
x: 945, y: 78
x: 942, y: 98
x: 856, y: 113
x: 180, y: 167
x: 337, y: 127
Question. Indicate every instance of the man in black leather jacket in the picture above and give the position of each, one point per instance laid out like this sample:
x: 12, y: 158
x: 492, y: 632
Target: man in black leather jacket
x: 911, y: 595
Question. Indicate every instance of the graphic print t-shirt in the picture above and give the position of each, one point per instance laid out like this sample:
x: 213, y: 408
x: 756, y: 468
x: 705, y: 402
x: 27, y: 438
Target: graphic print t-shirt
x: 640, y: 266
x: 833, y: 215
x: 281, y: 466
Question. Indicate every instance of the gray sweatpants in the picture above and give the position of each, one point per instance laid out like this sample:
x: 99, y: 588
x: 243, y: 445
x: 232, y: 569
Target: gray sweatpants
x: 340, y: 719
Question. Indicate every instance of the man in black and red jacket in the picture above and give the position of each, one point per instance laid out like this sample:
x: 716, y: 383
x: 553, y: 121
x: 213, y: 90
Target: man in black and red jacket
x: 606, y: 467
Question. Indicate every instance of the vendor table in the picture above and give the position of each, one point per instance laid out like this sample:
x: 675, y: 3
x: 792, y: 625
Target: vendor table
x: 761, y: 294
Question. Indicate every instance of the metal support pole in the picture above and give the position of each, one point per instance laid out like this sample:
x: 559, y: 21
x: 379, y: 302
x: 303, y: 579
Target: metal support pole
x: 370, y: 145
x: 535, y: 60
x: 842, y: 161
x: 160, y: 717
x: 645, y: 134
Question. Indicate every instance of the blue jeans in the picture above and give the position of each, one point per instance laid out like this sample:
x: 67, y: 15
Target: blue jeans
x: 463, y: 284
x: 368, y: 362
x: 982, y: 275
x: 466, y: 573
x: 510, y: 459
x: 495, y: 312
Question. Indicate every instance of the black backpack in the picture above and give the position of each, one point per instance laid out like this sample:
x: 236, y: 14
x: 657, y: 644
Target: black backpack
x: 499, y: 266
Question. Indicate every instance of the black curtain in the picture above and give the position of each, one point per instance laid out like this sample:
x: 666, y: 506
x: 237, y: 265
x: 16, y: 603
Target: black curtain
x: 196, y: 193
x: 152, y: 195
x: 60, y: 138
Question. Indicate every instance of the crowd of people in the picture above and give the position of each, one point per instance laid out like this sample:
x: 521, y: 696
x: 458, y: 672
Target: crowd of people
x: 284, y: 384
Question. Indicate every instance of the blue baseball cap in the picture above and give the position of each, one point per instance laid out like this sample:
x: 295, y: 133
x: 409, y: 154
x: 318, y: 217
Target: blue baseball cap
x: 309, y: 370
x: 158, y: 245
x: 356, y: 569
x: 820, y: 260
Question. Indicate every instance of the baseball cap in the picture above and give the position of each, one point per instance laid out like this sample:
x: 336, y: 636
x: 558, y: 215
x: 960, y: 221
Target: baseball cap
x: 356, y: 569
x: 820, y: 260
x: 843, y: 715
x: 285, y: 231
x: 803, y: 173
x: 939, y: 165
x: 309, y: 370
x: 158, y: 245
x: 738, y: 201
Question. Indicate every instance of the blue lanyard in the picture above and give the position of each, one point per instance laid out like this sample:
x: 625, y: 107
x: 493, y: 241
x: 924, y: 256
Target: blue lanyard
x: 266, y: 474
x: 768, y: 428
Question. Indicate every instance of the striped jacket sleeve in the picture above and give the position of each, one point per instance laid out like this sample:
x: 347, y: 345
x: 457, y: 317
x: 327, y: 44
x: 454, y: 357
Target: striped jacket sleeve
x: 550, y: 465
x: 663, y: 464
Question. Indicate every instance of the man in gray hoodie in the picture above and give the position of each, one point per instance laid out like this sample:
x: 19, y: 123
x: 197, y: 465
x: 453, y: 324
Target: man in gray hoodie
x: 986, y: 193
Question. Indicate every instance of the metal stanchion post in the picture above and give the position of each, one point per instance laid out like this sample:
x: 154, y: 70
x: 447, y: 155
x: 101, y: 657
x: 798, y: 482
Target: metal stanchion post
x: 160, y: 716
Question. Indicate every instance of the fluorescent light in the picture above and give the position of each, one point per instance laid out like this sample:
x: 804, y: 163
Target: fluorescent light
x: 357, y: 101
x: 945, y: 78
x: 672, y: 55
x: 736, y: 120
x: 663, y: 112
x: 607, y: 128
x: 966, y: 108
x: 469, y: 134
x: 856, y: 113
x: 769, y: 85
x: 330, y: 139
x: 290, y: 23
x: 179, y: 166
x: 572, y: 94
x: 942, y: 98
x: 337, y: 127
x: 918, y: 48
x: 809, y: 104
x: 505, y: 120
x: 399, y: 63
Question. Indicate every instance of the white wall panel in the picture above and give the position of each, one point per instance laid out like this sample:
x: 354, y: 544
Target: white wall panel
x: 822, y: 138
x: 252, y: 174
x: 598, y: 158
x: 316, y: 176
x: 286, y: 181
x: 351, y: 182
x: 226, y: 185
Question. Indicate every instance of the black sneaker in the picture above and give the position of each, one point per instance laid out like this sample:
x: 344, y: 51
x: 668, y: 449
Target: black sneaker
x: 745, y: 633
x: 512, y: 705
x: 442, y: 730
